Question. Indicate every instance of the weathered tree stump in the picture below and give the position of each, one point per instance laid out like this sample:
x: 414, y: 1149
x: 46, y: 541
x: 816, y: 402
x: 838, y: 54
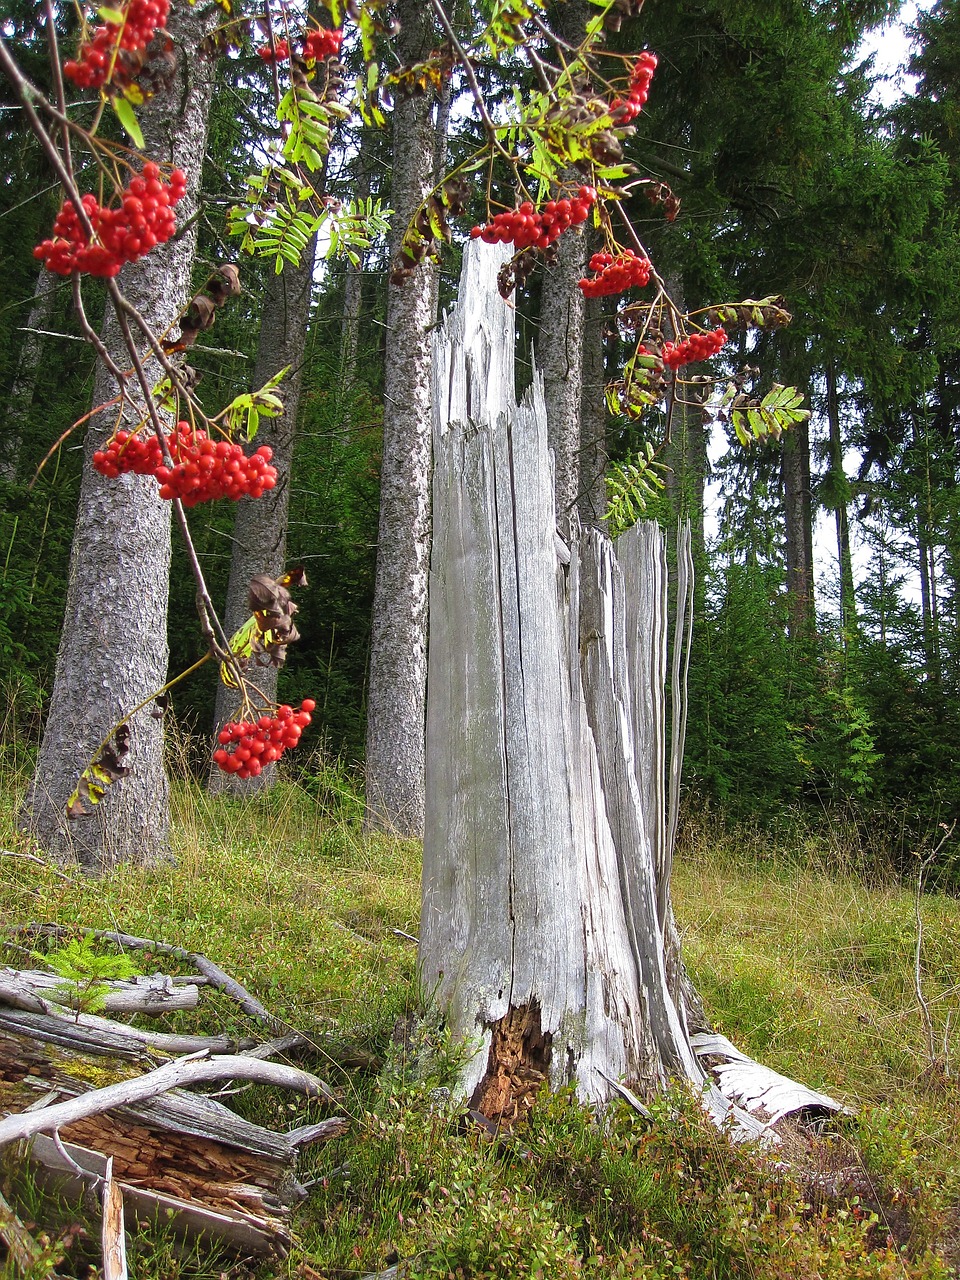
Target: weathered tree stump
x: 547, y: 935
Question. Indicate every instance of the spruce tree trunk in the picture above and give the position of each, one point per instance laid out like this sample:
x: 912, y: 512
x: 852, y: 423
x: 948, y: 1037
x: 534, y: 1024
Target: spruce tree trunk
x: 353, y: 292
x: 260, y: 528
x: 29, y: 365
x: 798, y: 524
x: 593, y: 417
x: 113, y: 648
x: 398, y: 641
x: 560, y: 356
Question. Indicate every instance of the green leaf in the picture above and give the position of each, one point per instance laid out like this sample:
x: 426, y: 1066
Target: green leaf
x: 116, y: 16
x: 127, y: 117
x: 630, y: 485
x: 767, y: 420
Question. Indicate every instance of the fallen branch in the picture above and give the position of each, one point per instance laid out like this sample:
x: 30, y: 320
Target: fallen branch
x: 282, y: 1044
x: 216, y: 976
x: 172, y: 1075
x: 152, y: 995
x: 88, y: 1033
x: 308, y: 1134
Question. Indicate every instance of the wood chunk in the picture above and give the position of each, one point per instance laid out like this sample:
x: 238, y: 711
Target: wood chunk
x: 112, y: 1239
x: 244, y: 1232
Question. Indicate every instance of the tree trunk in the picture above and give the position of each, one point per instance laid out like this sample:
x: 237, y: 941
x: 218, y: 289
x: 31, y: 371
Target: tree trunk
x: 546, y: 934
x: 113, y: 649
x: 593, y: 417
x: 926, y: 550
x: 561, y: 351
x: 398, y: 641
x: 353, y: 292
x: 20, y: 398
x: 848, y: 599
x: 560, y: 356
x: 260, y: 527
x: 798, y: 522
x: 544, y: 928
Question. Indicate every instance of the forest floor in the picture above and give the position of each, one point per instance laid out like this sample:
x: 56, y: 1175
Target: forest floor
x: 812, y: 971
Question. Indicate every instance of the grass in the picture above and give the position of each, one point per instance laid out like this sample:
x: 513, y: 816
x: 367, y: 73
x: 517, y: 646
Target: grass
x: 811, y: 971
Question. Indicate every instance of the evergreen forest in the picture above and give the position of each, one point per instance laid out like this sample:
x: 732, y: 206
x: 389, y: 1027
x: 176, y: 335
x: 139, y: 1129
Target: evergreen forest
x: 825, y: 673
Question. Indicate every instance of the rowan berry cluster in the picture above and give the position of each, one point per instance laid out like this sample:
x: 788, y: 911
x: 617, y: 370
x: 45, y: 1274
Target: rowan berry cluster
x: 279, y: 51
x: 615, y: 275
x: 121, y: 234
x: 317, y: 45
x: 255, y: 744
x: 117, y: 51
x: 139, y: 453
x: 526, y: 228
x: 625, y: 111
x: 698, y: 346
x: 202, y: 471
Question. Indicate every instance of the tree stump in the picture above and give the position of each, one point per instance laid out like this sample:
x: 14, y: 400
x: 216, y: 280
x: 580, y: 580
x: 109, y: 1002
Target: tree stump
x: 547, y: 935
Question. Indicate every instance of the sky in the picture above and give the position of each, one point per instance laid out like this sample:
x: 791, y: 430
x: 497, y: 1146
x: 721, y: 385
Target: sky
x: 890, y: 45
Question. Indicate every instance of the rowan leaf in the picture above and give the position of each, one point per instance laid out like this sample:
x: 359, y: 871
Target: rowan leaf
x: 630, y: 486
x: 101, y: 773
x: 241, y: 646
x: 127, y: 117
x: 767, y: 419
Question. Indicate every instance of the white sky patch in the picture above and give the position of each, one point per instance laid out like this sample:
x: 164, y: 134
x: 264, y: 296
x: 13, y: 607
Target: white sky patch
x: 890, y: 45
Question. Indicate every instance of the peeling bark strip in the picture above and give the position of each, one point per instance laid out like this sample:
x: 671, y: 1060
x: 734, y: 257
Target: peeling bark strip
x: 547, y: 933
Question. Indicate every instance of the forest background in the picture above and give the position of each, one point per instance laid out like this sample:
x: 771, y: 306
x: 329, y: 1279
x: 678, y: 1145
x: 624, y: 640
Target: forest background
x: 793, y: 176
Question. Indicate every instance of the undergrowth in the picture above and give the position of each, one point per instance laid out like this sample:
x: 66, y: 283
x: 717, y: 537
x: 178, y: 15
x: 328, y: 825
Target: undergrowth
x: 807, y: 968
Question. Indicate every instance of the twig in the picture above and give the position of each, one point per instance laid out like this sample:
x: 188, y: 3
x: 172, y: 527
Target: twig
x: 88, y: 1176
x: 40, y: 862
x: 93, y: 337
x: 472, y: 81
x: 172, y: 1075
